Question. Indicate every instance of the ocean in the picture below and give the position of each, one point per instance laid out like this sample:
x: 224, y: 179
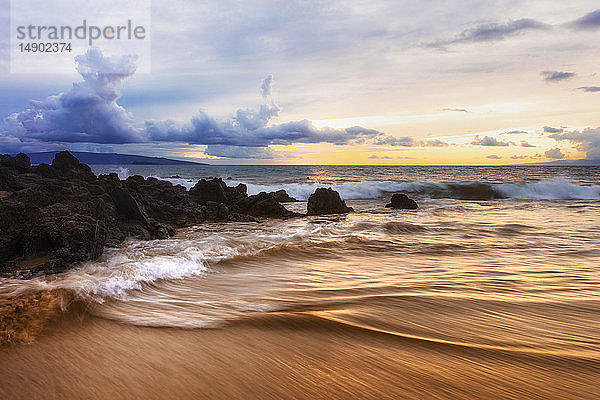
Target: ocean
x: 491, y: 289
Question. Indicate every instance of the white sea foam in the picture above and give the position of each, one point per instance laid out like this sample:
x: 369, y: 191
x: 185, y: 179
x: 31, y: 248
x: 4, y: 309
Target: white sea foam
x: 122, y: 270
x: 347, y: 190
x: 137, y: 263
x: 122, y: 172
x: 557, y: 189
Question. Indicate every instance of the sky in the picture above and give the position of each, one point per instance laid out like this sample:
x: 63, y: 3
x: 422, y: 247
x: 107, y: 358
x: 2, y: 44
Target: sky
x: 322, y: 82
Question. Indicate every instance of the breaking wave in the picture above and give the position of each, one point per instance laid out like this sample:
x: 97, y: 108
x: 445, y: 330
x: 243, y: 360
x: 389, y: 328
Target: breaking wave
x: 556, y: 189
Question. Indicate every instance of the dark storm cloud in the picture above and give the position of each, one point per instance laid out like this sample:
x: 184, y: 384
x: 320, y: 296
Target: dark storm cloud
x: 89, y: 113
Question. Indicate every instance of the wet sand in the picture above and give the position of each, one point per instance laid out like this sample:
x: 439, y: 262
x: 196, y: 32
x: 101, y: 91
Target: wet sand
x: 276, y: 356
x: 462, y: 300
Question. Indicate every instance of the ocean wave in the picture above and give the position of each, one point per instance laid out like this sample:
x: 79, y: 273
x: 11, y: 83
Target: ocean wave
x: 136, y: 263
x: 122, y: 270
x: 559, y: 188
x: 556, y: 189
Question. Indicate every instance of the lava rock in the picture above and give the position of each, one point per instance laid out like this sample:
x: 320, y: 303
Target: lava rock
x: 21, y: 162
x: 55, y: 216
x: 216, y: 211
x: 402, y: 201
x: 264, y: 205
x: 214, y: 190
x: 66, y: 166
x: 326, y: 201
x: 282, y: 196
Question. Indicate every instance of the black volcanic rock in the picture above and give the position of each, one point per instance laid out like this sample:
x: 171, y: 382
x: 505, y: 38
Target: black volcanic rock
x: 20, y: 163
x: 264, y: 205
x: 216, y: 211
x: 282, y: 196
x: 326, y: 201
x: 402, y: 201
x: 236, y: 194
x: 55, y: 216
x: 11, y: 166
x: 65, y: 166
x: 209, y: 190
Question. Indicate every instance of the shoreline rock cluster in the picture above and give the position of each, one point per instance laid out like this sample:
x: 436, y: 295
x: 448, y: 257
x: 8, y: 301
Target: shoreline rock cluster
x: 55, y: 216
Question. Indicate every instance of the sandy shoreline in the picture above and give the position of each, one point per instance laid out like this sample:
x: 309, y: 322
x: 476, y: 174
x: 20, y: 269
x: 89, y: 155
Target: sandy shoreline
x: 277, y: 356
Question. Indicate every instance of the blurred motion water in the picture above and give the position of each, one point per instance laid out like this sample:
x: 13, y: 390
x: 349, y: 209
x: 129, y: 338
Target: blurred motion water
x: 499, y: 264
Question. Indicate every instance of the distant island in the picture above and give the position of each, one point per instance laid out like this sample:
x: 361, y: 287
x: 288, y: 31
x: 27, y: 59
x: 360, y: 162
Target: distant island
x: 109, y: 158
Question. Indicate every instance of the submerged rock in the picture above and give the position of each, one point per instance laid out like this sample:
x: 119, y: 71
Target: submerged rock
x: 402, y: 201
x: 326, y: 201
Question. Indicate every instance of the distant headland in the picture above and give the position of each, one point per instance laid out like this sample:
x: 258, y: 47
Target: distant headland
x: 109, y: 158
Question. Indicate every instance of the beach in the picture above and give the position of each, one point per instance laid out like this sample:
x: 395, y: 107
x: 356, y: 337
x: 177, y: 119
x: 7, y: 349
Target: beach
x: 278, y: 356
x: 489, y: 290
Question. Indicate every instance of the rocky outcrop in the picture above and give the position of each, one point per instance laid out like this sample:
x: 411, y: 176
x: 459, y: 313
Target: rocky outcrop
x: 402, y: 201
x: 264, y: 205
x: 326, y: 201
x: 282, y: 196
x: 214, y: 189
x: 54, y: 216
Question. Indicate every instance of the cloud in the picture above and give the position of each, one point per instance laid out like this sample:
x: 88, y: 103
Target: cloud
x: 587, y: 141
x: 588, y: 21
x: 556, y: 76
x: 555, y: 154
x: 488, y: 141
x: 89, y: 113
x: 490, y: 32
x: 220, y: 150
x: 249, y: 131
x: 463, y: 110
x: 513, y: 133
x: 550, y: 129
x: 518, y: 157
x: 526, y: 144
x: 12, y: 144
x: 266, y: 87
x: 407, y: 141
x: 589, y: 89
x: 375, y: 157
x: 432, y: 143
x: 493, y: 157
